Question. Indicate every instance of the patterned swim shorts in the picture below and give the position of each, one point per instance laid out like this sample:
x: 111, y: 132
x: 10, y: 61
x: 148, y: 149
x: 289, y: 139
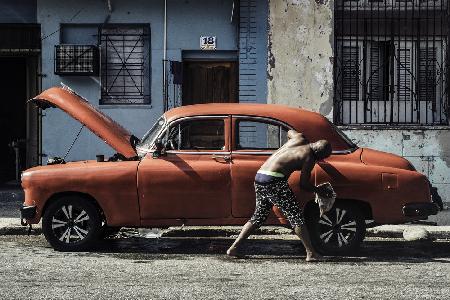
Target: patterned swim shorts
x: 276, y: 193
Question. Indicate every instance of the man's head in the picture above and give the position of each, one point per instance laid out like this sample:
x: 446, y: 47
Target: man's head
x: 322, y: 149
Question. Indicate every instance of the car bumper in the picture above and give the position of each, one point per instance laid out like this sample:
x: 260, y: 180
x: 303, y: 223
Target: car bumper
x: 421, y: 210
x: 27, y: 213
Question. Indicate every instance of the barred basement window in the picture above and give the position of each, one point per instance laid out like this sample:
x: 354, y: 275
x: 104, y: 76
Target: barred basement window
x: 391, y: 62
x: 125, y: 76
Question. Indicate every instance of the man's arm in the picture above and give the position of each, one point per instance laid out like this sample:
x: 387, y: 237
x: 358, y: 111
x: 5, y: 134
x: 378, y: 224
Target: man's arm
x: 305, y: 176
x: 295, y: 135
x: 292, y: 133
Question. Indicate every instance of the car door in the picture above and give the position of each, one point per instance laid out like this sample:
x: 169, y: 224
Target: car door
x: 254, y: 140
x: 192, y: 179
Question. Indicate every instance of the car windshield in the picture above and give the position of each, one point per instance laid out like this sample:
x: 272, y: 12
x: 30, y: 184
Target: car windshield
x: 347, y: 140
x: 149, y: 138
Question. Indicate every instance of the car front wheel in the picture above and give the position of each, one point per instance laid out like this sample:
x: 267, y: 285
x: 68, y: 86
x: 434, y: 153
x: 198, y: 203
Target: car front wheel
x: 338, y: 232
x: 71, y: 224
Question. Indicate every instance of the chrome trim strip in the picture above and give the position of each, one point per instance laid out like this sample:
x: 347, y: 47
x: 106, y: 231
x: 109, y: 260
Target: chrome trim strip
x: 192, y: 152
x: 253, y: 152
x: 198, y: 117
x: 279, y: 122
x: 348, y: 151
x: 198, y: 152
x: 337, y: 152
x: 237, y: 152
x: 270, y: 153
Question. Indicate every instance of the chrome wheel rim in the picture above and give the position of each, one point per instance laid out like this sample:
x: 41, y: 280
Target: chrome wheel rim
x: 71, y: 224
x: 337, y: 228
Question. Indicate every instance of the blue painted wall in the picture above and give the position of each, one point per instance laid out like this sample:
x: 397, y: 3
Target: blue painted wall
x: 22, y: 11
x: 187, y: 21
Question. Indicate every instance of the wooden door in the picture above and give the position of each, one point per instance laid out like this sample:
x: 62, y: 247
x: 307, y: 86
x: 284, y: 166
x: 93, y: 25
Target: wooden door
x: 209, y: 82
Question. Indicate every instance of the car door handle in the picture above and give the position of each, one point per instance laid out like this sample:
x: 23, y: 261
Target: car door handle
x: 226, y: 158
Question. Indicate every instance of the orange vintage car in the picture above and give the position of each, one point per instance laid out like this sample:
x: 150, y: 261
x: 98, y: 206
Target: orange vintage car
x: 196, y: 166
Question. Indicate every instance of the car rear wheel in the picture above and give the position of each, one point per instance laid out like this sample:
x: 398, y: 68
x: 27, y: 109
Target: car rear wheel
x: 71, y: 224
x: 338, y: 232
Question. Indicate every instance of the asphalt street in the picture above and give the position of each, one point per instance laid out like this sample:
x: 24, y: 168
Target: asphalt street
x: 133, y: 267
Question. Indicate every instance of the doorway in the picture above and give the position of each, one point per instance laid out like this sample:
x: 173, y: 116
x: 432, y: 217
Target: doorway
x: 210, y: 82
x: 18, y: 120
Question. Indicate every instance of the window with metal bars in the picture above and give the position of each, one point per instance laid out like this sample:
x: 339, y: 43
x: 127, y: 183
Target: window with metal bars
x: 391, y: 62
x: 125, y: 61
x: 76, y: 60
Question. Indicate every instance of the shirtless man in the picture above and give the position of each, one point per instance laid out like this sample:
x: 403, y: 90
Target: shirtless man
x: 272, y: 188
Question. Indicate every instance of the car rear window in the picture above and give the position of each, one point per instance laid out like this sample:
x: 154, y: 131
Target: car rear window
x: 260, y: 135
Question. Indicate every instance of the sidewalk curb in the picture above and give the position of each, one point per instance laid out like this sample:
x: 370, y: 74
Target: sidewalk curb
x: 11, y: 226
x: 396, y: 231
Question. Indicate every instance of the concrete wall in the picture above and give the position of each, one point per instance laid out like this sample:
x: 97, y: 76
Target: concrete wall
x: 300, y: 71
x: 301, y: 74
x: 187, y: 21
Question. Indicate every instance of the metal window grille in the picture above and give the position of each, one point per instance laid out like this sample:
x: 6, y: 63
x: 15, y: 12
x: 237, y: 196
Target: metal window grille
x: 76, y: 60
x: 125, y: 76
x: 391, y: 62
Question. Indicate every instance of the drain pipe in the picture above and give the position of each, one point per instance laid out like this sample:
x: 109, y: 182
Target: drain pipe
x: 110, y: 10
x: 165, y: 58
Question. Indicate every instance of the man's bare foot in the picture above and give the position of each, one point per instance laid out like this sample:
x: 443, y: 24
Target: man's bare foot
x: 232, y: 251
x: 314, y: 257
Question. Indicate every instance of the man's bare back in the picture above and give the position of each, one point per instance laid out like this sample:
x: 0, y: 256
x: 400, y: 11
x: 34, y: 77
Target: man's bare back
x: 297, y: 154
x: 291, y: 156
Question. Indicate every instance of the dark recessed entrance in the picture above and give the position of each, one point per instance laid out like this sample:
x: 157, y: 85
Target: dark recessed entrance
x: 13, y: 115
x: 20, y: 49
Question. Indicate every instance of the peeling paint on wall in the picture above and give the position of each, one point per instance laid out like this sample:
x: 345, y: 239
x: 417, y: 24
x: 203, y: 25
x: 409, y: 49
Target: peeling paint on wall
x: 271, y: 59
x: 300, y: 32
x: 443, y: 139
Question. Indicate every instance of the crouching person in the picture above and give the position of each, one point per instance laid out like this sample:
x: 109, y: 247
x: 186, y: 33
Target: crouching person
x: 272, y: 188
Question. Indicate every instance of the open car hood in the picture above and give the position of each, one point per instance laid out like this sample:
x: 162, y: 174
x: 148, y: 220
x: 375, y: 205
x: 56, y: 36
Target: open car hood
x: 100, y: 124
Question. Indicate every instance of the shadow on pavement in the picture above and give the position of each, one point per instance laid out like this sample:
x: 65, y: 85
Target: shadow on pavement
x: 285, y: 250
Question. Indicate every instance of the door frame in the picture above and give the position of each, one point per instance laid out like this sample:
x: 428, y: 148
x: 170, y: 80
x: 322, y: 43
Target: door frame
x: 217, y: 56
x: 198, y: 155
x: 233, y: 84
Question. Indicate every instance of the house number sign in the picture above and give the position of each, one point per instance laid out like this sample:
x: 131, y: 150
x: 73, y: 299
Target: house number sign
x: 208, y: 42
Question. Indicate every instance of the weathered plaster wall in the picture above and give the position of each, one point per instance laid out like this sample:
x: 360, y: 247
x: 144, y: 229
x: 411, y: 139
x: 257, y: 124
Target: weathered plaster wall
x: 300, y: 71
x: 300, y: 74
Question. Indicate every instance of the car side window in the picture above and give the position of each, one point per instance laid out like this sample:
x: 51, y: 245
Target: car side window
x: 197, y: 135
x: 260, y: 135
